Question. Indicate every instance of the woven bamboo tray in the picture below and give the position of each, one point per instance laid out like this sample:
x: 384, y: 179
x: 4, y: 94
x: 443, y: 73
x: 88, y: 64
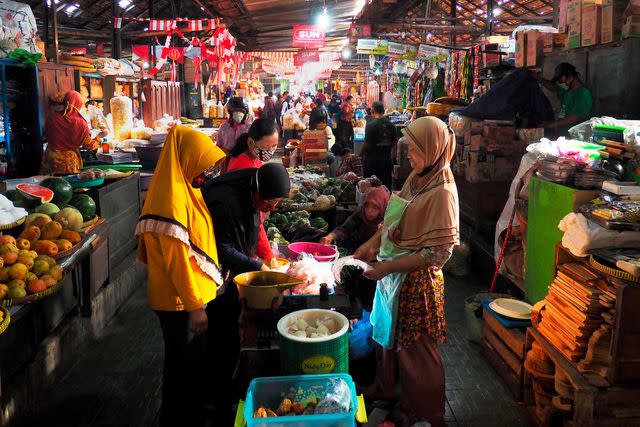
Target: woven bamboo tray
x: 613, y: 272
x: 13, y: 224
x: 4, y: 324
x: 8, y: 302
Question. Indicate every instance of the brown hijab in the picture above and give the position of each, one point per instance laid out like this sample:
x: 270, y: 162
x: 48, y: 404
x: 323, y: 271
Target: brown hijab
x: 431, y: 219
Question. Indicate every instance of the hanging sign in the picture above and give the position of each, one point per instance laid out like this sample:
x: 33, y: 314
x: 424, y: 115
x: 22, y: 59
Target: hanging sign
x: 427, y: 51
x: 373, y: 46
x: 357, y: 31
x: 306, y: 55
x: 308, y: 36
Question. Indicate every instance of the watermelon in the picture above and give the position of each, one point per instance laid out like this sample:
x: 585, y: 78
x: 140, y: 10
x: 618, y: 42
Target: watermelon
x: 34, y: 194
x: 61, y: 188
x: 85, y: 205
x: 15, y: 197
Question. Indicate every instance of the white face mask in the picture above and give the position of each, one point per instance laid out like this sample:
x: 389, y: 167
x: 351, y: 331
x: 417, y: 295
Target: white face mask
x: 563, y: 86
x: 237, y: 116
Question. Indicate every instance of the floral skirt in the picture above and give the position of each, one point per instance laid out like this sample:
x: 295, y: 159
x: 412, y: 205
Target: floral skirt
x: 421, y: 307
x: 61, y: 162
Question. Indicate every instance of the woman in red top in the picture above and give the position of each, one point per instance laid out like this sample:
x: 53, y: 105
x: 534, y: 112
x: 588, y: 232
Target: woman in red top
x: 252, y: 149
x: 344, y: 132
x: 66, y: 133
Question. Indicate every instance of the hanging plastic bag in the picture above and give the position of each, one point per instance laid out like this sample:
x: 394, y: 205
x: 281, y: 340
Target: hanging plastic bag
x: 360, y: 345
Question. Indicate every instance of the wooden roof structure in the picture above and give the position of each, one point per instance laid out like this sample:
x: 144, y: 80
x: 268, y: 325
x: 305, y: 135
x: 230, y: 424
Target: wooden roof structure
x: 267, y: 24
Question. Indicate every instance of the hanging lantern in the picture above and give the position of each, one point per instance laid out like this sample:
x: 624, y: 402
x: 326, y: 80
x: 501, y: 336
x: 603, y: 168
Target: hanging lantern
x: 174, y: 55
x: 197, y: 61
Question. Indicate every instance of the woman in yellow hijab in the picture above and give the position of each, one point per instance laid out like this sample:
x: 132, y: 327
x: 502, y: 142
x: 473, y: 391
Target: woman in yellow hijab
x: 185, y: 287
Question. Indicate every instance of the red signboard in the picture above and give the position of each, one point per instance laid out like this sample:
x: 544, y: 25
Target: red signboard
x: 357, y: 31
x: 306, y: 55
x: 308, y: 36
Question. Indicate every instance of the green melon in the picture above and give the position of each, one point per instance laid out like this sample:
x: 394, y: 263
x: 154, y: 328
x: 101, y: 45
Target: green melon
x: 62, y: 190
x: 85, y: 205
x: 48, y: 209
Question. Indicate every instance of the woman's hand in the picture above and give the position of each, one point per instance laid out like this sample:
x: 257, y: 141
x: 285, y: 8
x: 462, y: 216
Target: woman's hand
x: 367, y: 252
x: 265, y: 268
x: 328, y: 239
x: 198, y: 321
x: 377, y: 271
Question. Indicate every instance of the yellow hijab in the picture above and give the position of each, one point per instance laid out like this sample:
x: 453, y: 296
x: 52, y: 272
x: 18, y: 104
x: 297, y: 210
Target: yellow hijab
x: 174, y: 207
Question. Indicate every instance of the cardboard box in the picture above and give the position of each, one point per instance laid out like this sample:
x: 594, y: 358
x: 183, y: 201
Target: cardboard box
x: 521, y: 49
x: 547, y: 40
x: 574, y: 24
x: 562, y: 16
x: 535, y: 48
x: 314, y: 139
x: 591, y: 17
x: 606, y: 22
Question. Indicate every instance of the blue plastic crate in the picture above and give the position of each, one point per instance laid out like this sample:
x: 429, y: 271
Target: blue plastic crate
x: 269, y: 392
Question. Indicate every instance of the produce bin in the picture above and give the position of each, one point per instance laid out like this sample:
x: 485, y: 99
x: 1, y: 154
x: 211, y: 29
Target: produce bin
x: 314, y: 355
x: 269, y: 392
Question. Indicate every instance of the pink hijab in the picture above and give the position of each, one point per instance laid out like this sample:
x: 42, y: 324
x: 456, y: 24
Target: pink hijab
x: 378, y: 197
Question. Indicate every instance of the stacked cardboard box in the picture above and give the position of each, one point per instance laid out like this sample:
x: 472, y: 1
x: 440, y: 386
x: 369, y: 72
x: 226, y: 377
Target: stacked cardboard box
x: 631, y: 26
x: 314, y: 148
x: 491, y: 152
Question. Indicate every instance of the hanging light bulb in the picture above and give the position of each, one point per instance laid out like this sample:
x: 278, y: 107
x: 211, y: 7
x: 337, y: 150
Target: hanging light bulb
x: 323, y: 19
x: 497, y: 11
x: 346, y: 52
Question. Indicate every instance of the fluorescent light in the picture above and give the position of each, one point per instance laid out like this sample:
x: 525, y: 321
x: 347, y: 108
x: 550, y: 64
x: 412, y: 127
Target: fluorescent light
x: 145, y: 29
x: 322, y: 21
x: 346, y: 52
x: 497, y: 11
x: 429, y: 35
x: 72, y: 9
x: 145, y: 65
x: 124, y: 3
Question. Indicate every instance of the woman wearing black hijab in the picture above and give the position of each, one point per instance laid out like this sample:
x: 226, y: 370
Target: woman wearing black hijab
x: 235, y: 200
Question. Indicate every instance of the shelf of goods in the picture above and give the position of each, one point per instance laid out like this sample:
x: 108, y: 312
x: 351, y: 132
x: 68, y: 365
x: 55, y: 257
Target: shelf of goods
x: 589, y: 328
x: 21, y: 133
x: 90, y: 86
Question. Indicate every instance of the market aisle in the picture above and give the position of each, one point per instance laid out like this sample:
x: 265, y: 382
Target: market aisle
x: 117, y: 380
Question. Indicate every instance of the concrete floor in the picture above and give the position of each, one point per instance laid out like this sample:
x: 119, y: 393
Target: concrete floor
x: 116, y: 381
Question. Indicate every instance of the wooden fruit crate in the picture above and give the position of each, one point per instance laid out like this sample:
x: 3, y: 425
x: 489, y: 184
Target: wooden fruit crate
x: 505, y: 349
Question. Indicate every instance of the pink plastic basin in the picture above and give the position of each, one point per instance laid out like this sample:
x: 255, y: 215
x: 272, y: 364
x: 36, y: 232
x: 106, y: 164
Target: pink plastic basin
x: 322, y: 253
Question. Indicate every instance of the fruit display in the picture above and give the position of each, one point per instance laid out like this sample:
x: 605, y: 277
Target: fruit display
x: 10, y: 215
x: 25, y: 272
x: 91, y: 174
x: 85, y: 205
x: 32, y: 195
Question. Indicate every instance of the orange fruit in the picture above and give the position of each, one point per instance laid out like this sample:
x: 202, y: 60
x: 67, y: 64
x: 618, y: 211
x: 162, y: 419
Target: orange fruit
x: 30, y: 277
x: 48, y: 280
x: 16, y: 283
x: 36, y: 286
x: 18, y: 271
x: 23, y: 244
x: 1, y: 262
x: 4, y: 274
x: 40, y: 268
x: 26, y: 260
x: 17, y: 292
x: 8, y: 247
x: 46, y: 258
x: 57, y: 272
x: 30, y: 233
x: 9, y: 258
x: 4, y: 290
x: 5, y: 238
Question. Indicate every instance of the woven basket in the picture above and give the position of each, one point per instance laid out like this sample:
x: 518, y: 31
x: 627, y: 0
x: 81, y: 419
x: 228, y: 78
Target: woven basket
x: 8, y: 302
x: 13, y: 224
x: 4, y: 324
x: 71, y: 251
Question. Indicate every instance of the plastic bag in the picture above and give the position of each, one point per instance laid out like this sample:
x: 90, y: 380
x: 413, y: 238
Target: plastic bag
x: 360, y: 344
x: 337, y: 400
x: 312, y: 273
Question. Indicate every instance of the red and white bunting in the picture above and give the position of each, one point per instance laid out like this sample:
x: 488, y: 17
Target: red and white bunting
x: 117, y: 23
x: 195, y: 25
x: 161, y: 25
x: 166, y: 25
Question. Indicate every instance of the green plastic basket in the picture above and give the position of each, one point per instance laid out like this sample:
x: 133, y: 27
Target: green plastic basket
x: 311, y: 356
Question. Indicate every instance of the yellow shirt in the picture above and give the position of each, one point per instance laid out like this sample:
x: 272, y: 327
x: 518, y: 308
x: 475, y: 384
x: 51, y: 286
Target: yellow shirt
x: 175, y: 282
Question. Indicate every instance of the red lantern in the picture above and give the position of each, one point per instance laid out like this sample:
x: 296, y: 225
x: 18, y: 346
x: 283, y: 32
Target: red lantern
x: 174, y: 55
x: 196, y: 62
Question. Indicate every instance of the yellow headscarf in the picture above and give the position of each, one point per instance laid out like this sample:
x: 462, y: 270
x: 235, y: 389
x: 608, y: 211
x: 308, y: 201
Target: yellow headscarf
x: 174, y: 207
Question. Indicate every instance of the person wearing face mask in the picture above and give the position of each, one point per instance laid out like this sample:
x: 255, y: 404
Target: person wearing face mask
x: 236, y: 201
x: 575, y: 99
x: 237, y: 124
x: 254, y: 148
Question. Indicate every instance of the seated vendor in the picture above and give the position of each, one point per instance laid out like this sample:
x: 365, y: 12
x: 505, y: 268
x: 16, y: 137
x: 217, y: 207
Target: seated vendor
x: 349, y: 162
x: 575, y: 99
x: 362, y: 224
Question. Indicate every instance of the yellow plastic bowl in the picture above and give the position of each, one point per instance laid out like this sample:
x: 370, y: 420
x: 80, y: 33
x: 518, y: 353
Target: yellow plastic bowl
x: 261, y: 288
